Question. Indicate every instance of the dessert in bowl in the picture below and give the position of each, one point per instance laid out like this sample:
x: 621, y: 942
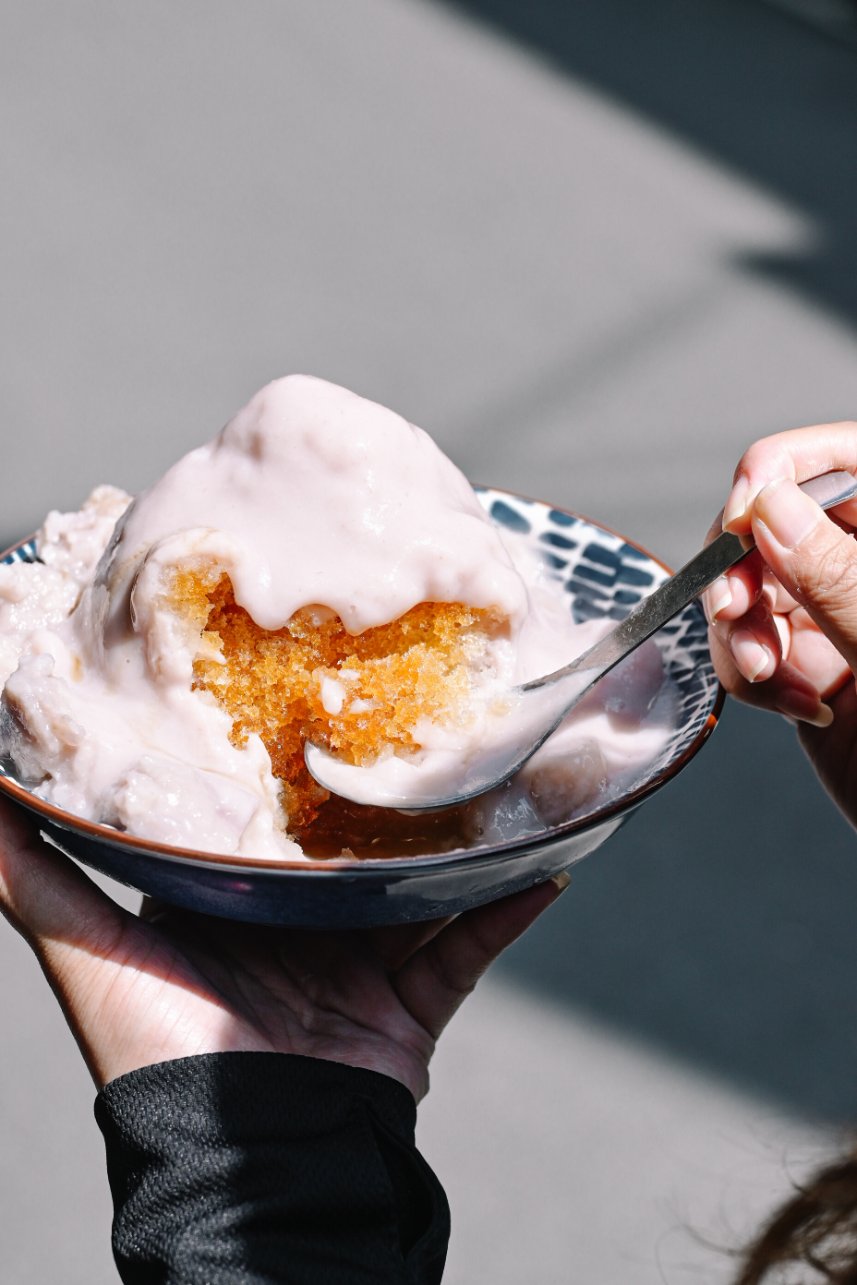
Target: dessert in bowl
x: 321, y: 571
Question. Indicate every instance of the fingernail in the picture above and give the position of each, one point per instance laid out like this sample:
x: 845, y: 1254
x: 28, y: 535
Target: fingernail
x: 562, y: 880
x: 754, y: 660
x: 787, y: 512
x: 717, y: 598
x: 736, y: 505
x: 805, y: 707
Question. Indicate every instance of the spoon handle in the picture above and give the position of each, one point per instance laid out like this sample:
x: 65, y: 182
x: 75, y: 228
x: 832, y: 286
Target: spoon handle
x: 674, y: 594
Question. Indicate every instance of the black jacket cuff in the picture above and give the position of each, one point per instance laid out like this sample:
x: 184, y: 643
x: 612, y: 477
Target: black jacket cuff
x: 256, y: 1168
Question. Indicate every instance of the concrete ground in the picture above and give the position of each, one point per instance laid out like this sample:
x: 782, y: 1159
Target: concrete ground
x: 595, y: 249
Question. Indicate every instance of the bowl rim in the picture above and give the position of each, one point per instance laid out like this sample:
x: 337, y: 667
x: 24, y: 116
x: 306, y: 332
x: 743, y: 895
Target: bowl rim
x: 313, y: 866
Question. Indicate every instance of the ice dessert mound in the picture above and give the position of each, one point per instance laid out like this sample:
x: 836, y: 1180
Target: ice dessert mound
x: 319, y: 571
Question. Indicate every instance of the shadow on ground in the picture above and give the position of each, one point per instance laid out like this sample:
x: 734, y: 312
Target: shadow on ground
x: 720, y: 922
x: 742, y: 83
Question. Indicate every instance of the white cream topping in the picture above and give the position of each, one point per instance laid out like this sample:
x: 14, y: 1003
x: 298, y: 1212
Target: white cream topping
x: 313, y: 495
x: 310, y: 497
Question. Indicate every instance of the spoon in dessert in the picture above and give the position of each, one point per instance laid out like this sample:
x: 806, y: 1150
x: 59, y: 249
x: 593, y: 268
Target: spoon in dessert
x: 534, y: 710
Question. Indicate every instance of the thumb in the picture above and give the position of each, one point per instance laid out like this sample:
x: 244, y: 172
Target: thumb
x: 44, y: 895
x: 435, y: 981
x: 813, y: 558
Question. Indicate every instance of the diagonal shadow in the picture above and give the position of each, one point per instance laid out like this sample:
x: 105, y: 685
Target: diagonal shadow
x: 719, y: 923
x: 745, y: 84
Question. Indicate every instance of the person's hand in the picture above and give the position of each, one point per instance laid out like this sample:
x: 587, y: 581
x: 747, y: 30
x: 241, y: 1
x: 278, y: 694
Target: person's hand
x: 784, y: 621
x: 171, y: 984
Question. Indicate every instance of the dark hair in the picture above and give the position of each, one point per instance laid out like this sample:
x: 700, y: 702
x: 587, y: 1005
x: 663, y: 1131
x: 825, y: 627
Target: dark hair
x: 816, y: 1229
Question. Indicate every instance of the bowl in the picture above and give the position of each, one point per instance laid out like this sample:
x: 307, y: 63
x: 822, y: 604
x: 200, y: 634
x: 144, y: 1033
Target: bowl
x: 603, y: 575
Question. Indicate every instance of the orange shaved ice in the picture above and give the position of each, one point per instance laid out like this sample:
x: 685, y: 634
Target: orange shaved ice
x: 359, y: 695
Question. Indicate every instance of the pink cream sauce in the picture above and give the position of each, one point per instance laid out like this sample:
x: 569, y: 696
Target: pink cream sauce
x: 310, y: 496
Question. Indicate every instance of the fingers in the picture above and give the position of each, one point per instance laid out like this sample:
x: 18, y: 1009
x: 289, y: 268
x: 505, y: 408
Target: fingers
x: 813, y: 654
x: 71, y: 925
x: 394, y: 944
x: 42, y: 893
x: 734, y: 594
x: 784, y: 621
x: 813, y: 558
x: 787, y: 691
x: 435, y: 981
x: 796, y: 456
x: 777, y: 662
x: 756, y: 645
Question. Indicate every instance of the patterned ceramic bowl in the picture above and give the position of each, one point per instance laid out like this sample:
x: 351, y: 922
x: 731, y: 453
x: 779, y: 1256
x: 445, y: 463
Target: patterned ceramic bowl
x: 603, y: 575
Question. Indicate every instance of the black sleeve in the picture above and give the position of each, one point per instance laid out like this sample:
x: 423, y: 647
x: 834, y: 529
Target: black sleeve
x: 256, y: 1168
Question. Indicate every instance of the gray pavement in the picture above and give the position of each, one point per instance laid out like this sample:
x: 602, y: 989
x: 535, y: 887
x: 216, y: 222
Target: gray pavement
x: 595, y: 250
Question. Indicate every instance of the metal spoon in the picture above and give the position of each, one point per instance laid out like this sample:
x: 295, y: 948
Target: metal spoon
x: 537, y: 708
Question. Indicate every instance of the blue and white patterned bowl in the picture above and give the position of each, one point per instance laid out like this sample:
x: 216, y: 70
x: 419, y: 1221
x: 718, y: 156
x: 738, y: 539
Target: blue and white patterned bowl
x: 604, y: 575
